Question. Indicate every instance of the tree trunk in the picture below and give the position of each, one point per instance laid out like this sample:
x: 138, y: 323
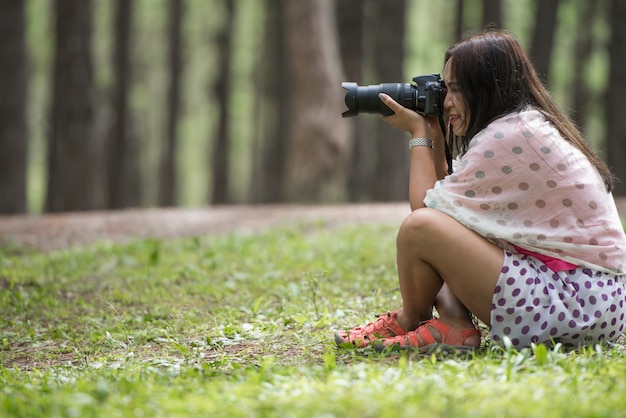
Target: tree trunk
x: 546, y: 12
x: 616, y: 123
x: 121, y: 167
x: 167, y: 185
x: 581, y: 93
x: 221, y: 149
x: 71, y: 145
x: 391, y: 179
x: 350, y: 24
x: 459, y: 23
x: 268, y: 175
x: 492, y: 14
x: 13, y: 125
x: 319, y: 137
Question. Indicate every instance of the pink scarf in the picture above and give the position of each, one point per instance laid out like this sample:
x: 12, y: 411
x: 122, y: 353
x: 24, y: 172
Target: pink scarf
x: 521, y: 183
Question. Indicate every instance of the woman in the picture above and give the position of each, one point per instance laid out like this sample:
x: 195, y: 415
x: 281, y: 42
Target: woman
x: 524, y: 234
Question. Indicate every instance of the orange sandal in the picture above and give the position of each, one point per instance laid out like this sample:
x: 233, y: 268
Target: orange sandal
x: 384, y: 327
x: 423, y: 340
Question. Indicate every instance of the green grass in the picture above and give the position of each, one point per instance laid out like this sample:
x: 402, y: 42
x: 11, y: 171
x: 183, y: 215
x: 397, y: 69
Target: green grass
x: 242, y: 326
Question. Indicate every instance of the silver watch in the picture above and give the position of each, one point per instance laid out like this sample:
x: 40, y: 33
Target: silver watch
x: 420, y: 142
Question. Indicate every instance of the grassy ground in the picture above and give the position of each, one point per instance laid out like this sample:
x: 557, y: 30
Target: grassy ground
x: 242, y: 326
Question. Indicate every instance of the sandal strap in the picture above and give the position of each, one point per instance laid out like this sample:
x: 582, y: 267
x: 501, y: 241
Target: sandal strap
x: 420, y: 337
x: 423, y: 335
x: 385, y: 326
x: 426, y: 334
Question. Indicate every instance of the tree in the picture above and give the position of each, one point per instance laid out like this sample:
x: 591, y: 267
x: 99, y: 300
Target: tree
x: 167, y: 185
x: 391, y: 175
x: 222, y: 88
x: 584, y: 46
x: 13, y: 126
x: 459, y: 24
x: 319, y: 139
x: 492, y: 13
x: 616, y: 123
x: 123, y: 173
x: 272, y: 111
x: 350, y: 26
x: 71, y: 142
x: 543, y: 36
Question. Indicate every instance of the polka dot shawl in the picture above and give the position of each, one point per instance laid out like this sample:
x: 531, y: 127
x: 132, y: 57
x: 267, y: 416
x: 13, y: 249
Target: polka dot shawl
x: 521, y: 183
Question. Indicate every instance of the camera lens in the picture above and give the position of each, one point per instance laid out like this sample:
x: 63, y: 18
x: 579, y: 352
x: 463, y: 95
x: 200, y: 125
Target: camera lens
x: 364, y: 99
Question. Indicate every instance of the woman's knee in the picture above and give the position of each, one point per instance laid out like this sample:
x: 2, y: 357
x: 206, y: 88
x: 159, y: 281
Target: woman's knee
x: 421, y: 225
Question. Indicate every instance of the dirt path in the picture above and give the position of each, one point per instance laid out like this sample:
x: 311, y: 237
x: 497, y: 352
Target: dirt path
x: 57, y: 231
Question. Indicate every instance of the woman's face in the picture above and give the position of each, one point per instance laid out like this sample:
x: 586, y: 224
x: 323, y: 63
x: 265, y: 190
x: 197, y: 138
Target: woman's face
x: 453, y: 103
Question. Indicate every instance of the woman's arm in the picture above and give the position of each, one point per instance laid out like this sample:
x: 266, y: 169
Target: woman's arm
x: 427, y: 165
x: 439, y: 145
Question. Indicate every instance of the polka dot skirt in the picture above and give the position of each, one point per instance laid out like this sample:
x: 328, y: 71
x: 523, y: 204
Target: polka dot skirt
x: 533, y: 304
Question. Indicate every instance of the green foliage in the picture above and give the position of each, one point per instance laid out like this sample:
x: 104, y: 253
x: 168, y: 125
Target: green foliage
x: 242, y: 325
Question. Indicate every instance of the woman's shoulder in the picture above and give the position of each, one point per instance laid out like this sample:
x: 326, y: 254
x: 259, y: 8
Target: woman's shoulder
x: 527, y: 123
x: 528, y: 118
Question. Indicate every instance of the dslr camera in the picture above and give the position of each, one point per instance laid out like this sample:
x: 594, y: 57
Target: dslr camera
x: 425, y: 96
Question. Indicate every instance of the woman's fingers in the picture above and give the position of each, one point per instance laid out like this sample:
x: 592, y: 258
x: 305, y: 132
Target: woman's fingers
x: 403, y: 118
x: 391, y: 104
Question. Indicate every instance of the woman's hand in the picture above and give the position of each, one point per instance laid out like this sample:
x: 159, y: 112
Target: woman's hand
x: 406, y: 119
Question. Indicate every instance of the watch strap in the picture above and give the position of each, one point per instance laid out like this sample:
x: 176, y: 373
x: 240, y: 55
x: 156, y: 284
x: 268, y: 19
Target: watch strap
x: 420, y: 142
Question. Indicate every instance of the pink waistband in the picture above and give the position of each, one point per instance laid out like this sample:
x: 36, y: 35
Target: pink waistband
x: 552, y: 263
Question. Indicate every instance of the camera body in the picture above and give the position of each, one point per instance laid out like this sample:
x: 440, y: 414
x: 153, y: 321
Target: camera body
x: 425, y: 96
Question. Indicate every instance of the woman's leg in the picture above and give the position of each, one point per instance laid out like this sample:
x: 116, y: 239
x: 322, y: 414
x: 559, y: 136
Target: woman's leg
x: 434, y: 249
x: 451, y: 310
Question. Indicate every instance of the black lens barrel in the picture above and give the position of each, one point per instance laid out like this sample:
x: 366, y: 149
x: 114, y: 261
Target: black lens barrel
x: 364, y: 99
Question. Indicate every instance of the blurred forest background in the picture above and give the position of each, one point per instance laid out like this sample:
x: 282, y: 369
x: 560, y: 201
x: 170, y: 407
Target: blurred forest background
x: 109, y: 104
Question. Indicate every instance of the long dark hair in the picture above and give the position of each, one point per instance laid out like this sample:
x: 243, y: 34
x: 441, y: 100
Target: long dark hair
x: 496, y: 77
